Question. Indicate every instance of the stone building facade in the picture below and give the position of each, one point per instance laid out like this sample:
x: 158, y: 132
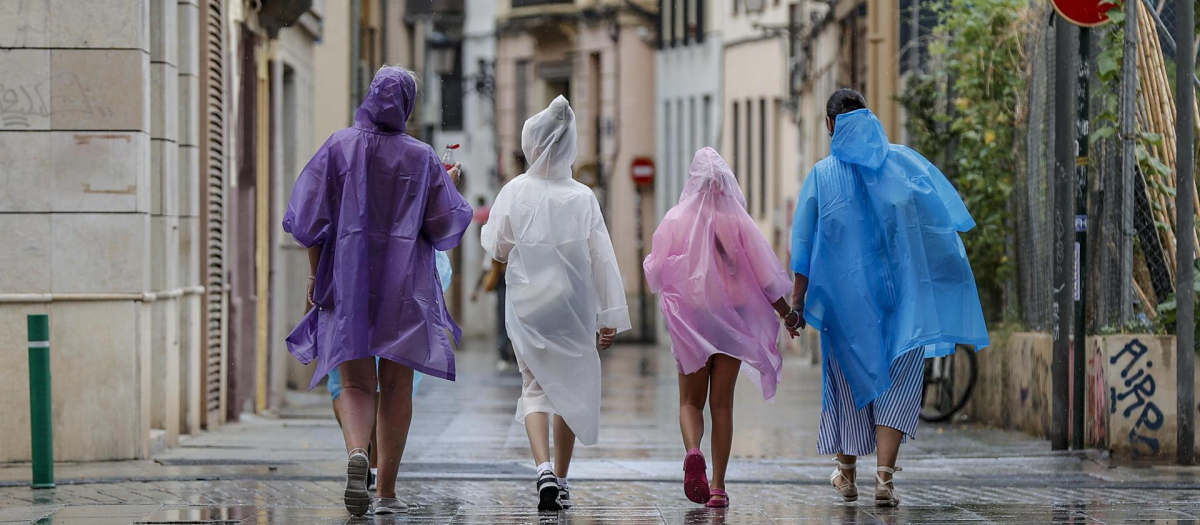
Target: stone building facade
x: 115, y: 200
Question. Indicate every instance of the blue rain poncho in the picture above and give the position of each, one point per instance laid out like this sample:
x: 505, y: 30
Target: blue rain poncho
x: 876, y: 233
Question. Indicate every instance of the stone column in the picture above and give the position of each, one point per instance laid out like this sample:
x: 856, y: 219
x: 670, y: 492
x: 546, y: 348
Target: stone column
x: 191, y: 320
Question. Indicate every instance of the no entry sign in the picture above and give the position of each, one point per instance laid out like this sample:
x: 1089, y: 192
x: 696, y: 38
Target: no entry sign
x: 1085, y: 13
x: 642, y: 171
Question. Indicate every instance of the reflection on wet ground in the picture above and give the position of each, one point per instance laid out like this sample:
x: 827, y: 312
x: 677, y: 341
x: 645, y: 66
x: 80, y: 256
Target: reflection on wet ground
x: 468, y: 462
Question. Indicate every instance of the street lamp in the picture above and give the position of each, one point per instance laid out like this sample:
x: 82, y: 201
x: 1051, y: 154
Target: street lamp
x: 443, y: 58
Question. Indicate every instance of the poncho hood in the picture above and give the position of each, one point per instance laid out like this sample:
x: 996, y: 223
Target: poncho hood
x: 548, y: 140
x: 389, y: 101
x: 710, y: 175
x: 858, y: 138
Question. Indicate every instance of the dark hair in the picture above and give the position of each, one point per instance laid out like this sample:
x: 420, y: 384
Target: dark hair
x: 844, y: 100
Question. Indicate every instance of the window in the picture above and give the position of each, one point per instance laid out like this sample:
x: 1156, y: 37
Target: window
x: 681, y: 150
x: 735, y: 7
x: 737, y: 140
x: 706, y: 114
x: 669, y: 160
x: 521, y: 104
x: 451, y: 87
x: 762, y: 157
x: 685, y: 28
x: 673, y: 32
x: 749, y: 167
x: 700, y: 21
x: 662, y: 17
x: 691, y: 127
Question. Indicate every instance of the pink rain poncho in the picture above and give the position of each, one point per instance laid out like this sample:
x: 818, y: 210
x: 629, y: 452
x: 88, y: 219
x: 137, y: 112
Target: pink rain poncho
x: 378, y: 202
x: 717, y: 277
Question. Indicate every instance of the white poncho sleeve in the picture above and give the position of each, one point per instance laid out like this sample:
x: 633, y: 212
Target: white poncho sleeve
x: 613, y: 311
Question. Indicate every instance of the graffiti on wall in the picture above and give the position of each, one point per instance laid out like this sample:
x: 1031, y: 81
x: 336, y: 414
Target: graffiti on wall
x: 1132, y: 397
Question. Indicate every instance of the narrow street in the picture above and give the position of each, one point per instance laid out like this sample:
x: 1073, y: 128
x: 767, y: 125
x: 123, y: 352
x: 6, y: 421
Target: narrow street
x: 467, y: 462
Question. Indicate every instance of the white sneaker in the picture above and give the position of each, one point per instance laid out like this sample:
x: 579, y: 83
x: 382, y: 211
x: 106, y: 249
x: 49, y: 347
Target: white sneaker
x: 358, y: 467
x: 389, y: 506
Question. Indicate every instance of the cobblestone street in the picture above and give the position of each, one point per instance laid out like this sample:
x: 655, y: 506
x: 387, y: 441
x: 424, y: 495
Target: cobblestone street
x: 468, y: 463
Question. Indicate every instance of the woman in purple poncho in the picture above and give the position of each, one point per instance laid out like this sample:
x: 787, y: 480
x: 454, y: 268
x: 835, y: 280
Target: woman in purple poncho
x: 372, y: 206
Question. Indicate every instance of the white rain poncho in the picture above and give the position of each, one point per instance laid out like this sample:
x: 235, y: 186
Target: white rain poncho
x: 563, y: 282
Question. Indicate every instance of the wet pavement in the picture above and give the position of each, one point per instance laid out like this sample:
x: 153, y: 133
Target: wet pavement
x: 468, y: 462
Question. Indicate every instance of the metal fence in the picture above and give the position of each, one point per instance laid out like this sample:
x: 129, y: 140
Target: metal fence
x: 1033, y: 196
x: 1122, y: 291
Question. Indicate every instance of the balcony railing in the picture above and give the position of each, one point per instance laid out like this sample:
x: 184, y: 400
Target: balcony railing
x: 532, y: 3
x: 415, y: 8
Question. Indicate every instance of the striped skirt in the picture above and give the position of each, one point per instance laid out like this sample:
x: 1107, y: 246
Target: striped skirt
x: 849, y: 431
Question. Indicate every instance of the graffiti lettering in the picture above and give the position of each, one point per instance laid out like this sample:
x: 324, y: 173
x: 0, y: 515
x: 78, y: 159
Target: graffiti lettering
x: 1138, y: 393
x: 19, y: 104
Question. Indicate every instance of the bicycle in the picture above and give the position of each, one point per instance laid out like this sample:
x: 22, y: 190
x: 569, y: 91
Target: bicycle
x: 944, y: 392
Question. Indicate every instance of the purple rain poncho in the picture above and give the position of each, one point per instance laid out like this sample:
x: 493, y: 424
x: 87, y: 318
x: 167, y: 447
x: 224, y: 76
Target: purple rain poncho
x: 378, y: 202
x: 717, y: 277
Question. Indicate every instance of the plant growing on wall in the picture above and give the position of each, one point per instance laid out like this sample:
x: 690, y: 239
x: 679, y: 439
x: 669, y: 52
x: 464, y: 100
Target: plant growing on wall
x: 963, y: 113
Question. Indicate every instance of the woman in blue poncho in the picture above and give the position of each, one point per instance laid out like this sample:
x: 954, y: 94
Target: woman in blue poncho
x: 882, y: 273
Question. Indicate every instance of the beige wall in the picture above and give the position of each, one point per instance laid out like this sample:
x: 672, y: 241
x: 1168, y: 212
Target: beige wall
x: 90, y: 209
x: 332, y: 87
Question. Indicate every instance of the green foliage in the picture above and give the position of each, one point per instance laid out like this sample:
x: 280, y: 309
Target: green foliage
x: 1168, y: 312
x: 1106, y: 125
x: 964, y: 113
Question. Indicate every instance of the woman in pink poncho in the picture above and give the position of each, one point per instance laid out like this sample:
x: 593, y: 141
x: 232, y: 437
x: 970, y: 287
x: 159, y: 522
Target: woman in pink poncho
x: 719, y: 281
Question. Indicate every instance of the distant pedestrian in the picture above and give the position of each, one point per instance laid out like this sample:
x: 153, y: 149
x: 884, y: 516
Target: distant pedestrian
x: 491, y: 279
x: 563, y: 288
x: 882, y: 274
x: 719, y: 280
x: 372, y: 206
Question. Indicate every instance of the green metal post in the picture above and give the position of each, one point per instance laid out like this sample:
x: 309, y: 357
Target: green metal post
x: 40, y: 423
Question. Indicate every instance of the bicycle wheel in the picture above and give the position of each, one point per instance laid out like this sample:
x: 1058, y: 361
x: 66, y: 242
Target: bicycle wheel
x: 948, y: 383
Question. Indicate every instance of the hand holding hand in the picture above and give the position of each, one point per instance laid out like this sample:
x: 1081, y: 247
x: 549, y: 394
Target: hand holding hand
x: 606, y: 337
x: 794, y: 322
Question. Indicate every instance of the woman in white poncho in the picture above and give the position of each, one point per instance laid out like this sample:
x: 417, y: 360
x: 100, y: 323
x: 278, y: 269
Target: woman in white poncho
x: 563, y: 288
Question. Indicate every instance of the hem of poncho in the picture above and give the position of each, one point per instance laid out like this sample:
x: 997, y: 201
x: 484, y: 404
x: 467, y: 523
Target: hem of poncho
x: 448, y: 375
x: 682, y: 370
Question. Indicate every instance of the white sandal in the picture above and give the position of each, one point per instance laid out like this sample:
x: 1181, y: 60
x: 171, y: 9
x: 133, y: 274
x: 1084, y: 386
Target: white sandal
x: 848, y: 489
x: 885, y: 492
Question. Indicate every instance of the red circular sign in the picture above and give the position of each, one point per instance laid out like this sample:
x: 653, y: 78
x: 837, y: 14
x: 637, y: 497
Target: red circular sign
x: 642, y: 171
x: 1085, y: 13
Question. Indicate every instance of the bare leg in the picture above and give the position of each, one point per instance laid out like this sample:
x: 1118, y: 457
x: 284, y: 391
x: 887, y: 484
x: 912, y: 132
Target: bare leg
x: 374, y: 451
x: 847, y: 460
x: 888, y: 447
x: 394, y: 418
x: 337, y: 411
x: 720, y: 404
x: 537, y: 426
x: 356, y: 406
x: 693, y: 391
x: 564, y: 446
